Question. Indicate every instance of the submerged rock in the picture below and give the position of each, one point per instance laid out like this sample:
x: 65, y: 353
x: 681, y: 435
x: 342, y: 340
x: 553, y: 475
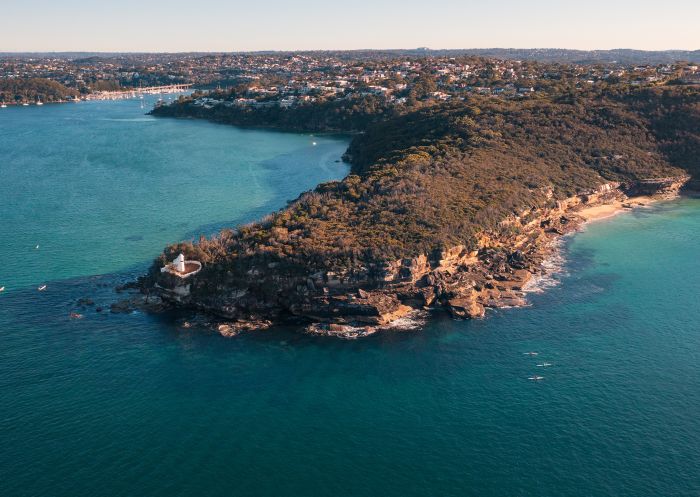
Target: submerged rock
x: 347, y: 332
x: 233, y: 328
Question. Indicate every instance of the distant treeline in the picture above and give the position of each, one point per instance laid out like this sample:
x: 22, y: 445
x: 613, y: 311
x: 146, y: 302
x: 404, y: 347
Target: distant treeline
x: 622, y: 56
x: 14, y: 90
x: 328, y: 116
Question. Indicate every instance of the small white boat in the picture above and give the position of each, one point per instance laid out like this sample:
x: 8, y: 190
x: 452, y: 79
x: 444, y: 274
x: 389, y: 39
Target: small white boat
x: 39, y: 102
x: 37, y: 247
x: 530, y: 353
x: 3, y: 106
x: 42, y: 288
x: 25, y: 104
x: 544, y: 365
x: 536, y: 378
x: 2, y: 288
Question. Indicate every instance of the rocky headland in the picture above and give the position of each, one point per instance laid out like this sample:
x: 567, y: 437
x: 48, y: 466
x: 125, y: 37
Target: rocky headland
x: 461, y: 281
x: 454, y: 207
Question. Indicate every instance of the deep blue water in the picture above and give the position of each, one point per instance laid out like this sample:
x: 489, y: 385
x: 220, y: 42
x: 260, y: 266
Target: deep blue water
x: 134, y: 404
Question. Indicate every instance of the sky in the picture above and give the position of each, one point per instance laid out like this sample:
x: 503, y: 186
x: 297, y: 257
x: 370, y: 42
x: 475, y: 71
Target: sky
x: 235, y: 25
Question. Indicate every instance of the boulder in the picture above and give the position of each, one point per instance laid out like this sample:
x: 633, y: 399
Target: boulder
x: 517, y: 260
x: 465, y: 307
x: 121, y: 307
x: 227, y: 330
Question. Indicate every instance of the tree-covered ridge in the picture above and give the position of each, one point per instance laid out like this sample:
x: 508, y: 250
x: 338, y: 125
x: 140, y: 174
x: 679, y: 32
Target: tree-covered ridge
x: 441, y: 175
x: 347, y: 115
x: 673, y: 116
x: 33, y: 90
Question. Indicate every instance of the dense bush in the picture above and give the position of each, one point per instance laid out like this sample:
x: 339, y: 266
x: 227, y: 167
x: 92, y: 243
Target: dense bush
x: 352, y: 114
x: 14, y: 90
x: 438, y: 176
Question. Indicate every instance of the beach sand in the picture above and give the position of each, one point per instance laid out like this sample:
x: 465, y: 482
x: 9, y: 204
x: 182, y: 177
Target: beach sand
x: 598, y: 212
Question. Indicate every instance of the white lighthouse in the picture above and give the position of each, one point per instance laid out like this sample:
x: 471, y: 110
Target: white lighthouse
x: 182, y: 268
x: 179, y: 263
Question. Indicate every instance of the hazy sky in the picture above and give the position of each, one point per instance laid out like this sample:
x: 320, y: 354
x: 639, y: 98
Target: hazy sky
x: 233, y: 25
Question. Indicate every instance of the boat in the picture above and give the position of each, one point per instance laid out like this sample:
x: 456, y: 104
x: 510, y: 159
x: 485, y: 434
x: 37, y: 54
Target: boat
x: 3, y: 106
x: 37, y: 246
x: 39, y: 102
x: 42, y: 288
x: 2, y: 288
x: 536, y: 378
x: 25, y: 104
x: 530, y: 353
x: 76, y: 315
x: 544, y: 365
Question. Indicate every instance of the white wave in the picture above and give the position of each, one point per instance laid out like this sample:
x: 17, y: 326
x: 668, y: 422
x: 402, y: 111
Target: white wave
x: 552, y: 270
x: 414, y: 320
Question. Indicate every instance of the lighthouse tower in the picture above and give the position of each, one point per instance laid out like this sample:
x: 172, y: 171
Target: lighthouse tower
x: 182, y: 268
x: 179, y: 263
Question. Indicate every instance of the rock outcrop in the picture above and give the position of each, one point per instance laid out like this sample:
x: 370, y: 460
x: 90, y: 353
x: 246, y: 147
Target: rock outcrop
x: 362, y: 300
x: 658, y: 187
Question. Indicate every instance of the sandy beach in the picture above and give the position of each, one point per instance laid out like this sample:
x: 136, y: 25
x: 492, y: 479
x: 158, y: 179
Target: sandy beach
x: 599, y: 212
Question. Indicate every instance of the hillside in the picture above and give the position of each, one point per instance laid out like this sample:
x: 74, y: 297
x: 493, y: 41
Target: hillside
x: 479, y: 175
x: 31, y: 90
x: 351, y: 115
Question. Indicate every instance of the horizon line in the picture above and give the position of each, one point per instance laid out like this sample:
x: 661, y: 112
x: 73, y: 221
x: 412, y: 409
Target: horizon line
x: 425, y: 49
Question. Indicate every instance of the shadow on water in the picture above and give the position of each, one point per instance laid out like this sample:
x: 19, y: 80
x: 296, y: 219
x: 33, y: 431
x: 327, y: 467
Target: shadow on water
x: 53, y: 307
x: 252, y: 215
x: 280, y: 197
x: 92, y: 296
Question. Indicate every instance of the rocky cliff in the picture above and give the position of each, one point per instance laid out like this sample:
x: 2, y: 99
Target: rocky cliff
x: 452, y: 206
x: 359, y: 301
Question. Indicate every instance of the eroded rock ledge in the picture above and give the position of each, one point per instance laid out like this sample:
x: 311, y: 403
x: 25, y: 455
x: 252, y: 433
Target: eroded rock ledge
x: 365, y: 299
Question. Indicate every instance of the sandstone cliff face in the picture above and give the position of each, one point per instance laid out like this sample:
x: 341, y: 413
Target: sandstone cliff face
x: 660, y: 187
x: 463, y: 282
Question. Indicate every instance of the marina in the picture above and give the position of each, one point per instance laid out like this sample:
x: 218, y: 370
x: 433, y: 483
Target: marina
x: 125, y: 94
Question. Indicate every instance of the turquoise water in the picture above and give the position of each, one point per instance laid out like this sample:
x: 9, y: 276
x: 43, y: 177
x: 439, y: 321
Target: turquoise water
x: 135, y: 405
x: 100, y: 187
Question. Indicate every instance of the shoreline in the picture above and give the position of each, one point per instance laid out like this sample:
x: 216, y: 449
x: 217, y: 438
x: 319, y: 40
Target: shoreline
x: 555, y: 261
x: 464, y: 278
x: 470, y: 283
x: 612, y: 209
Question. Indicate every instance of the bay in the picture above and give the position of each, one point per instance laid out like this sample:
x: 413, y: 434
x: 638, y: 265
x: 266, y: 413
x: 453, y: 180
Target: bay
x: 135, y: 404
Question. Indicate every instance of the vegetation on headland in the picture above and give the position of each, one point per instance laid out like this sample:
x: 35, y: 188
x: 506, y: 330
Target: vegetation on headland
x: 440, y: 175
x: 17, y: 91
x: 348, y: 115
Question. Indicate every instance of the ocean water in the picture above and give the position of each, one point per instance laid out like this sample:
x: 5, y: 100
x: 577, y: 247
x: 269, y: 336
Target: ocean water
x: 125, y: 405
x: 100, y: 186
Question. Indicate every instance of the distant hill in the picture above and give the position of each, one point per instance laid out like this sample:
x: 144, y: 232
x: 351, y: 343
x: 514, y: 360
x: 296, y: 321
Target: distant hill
x: 618, y: 55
